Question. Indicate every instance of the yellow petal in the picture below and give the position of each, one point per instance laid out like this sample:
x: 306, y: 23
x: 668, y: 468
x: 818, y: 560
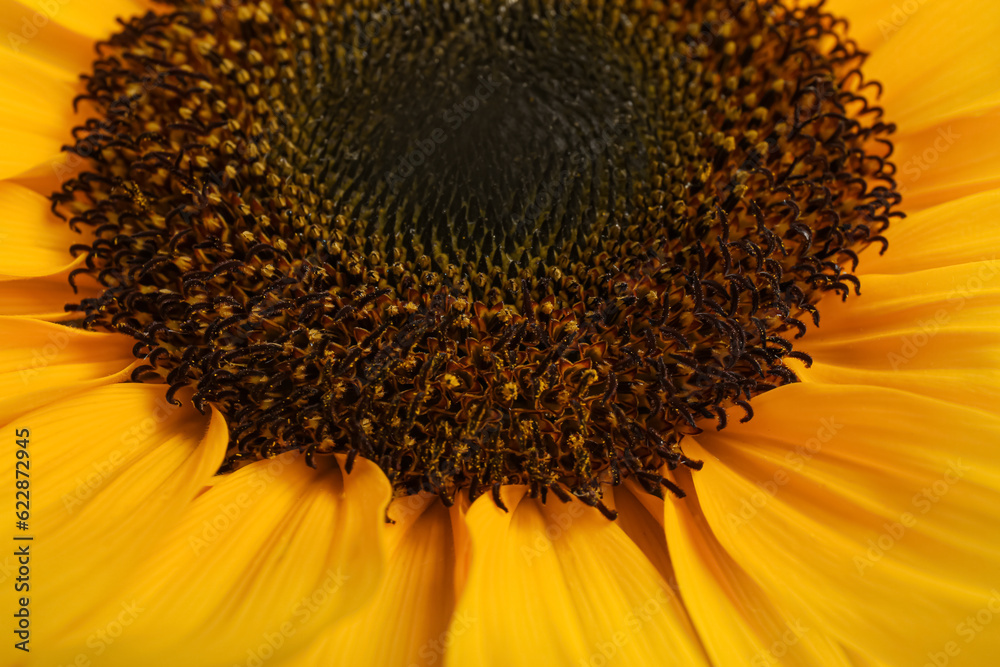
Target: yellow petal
x: 24, y: 150
x: 271, y: 555
x: 933, y: 332
x: 862, y: 660
x: 42, y: 362
x: 872, y: 22
x: 640, y: 515
x: 555, y: 584
x: 49, y: 175
x: 736, y: 618
x: 955, y: 159
x: 110, y: 469
x: 17, y: 57
x: 959, y: 231
x: 940, y: 64
x: 46, y: 46
x: 34, y: 101
x: 937, y: 67
x: 33, y: 241
x: 62, y: 33
x: 45, y: 297
x: 407, y: 621
x: 95, y: 20
x: 58, y: 47
x: 870, y: 512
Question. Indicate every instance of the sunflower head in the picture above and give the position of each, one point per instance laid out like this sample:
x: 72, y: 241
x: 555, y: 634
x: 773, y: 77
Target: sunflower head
x: 531, y: 242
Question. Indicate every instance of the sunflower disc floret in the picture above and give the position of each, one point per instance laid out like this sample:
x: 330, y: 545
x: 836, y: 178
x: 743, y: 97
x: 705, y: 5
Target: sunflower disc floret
x: 477, y: 243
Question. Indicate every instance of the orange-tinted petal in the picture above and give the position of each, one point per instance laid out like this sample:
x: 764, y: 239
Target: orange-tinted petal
x: 33, y: 242
x: 270, y: 556
x: 640, y: 515
x: 107, y: 470
x: 60, y: 34
x: 561, y: 585
x: 737, y: 619
x: 42, y: 362
x: 866, y: 511
x: 45, y: 297
x: 957, y: 158
x: 871, y: 21
x: 957, y: 232
x: 939, y: 62
x: 408, y: 622
x: 95, y: 20
x: 932, y: 332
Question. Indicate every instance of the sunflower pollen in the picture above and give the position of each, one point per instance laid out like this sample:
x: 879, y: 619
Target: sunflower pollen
x: 476, y: 243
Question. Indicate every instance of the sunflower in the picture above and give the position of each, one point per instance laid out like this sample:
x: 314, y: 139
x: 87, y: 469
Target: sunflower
x: 567, y: 333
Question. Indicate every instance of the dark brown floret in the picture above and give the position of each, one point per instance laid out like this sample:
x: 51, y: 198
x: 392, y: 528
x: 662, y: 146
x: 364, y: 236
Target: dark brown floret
x: 529, y: 242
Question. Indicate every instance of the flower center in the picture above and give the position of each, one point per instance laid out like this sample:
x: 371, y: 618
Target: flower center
x: 479, y: 244
x: 486, y: 136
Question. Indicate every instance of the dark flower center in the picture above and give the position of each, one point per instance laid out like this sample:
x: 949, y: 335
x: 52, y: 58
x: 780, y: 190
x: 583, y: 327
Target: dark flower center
x: 479, y: 244
x: 488, y: 135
